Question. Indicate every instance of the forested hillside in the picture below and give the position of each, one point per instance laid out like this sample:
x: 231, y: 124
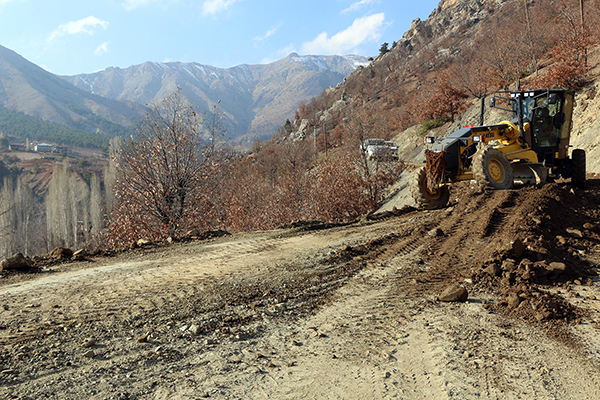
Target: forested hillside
x: 26, y: 88
x: 22, y: 126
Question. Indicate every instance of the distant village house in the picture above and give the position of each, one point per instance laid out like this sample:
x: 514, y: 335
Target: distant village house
x: 17, y: 147
x: 43, y: 148
x: 38, y: 147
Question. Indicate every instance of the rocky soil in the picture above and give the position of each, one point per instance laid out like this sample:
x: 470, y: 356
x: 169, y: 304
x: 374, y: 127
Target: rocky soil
x: 314, y: 311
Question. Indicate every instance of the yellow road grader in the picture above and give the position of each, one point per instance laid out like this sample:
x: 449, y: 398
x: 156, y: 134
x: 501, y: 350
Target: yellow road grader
x: 530, y: 148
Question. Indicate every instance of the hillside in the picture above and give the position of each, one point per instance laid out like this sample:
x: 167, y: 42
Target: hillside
x: 28, y: 89
x: 21, y: 127
x: 465, y: 50
x: 255, y: 98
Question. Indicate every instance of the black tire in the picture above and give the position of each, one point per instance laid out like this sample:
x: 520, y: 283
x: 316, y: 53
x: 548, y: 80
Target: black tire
x: 543, y: 174
x: 578, y: 165
x: 491, y: 169
x: 425, y: 198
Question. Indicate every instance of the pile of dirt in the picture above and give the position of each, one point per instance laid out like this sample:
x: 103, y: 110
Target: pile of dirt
x: 525, y: 246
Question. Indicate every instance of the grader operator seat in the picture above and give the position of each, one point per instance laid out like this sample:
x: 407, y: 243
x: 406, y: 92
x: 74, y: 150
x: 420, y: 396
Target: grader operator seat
x: 544, y: 133
x: 546, y: 124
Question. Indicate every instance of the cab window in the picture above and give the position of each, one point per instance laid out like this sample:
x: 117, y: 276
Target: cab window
x: 546, y: 122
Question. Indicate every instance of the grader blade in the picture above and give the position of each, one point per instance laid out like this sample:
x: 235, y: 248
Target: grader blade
x: 530, y: 173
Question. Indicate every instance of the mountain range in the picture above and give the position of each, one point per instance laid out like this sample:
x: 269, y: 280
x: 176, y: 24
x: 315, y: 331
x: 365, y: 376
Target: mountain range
x: 29, y: 89
x: 255, y: 99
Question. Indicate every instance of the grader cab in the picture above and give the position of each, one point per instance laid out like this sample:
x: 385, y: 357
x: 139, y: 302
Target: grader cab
x: 530, y: 148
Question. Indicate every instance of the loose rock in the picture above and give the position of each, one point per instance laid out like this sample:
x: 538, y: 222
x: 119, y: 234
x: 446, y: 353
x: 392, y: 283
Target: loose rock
x: 454, y: 293
x: 195, y: 330
x: 492, y: 270
x: 513, y: 300
x: 192, y: 233
x: 89, y: 354
x: 18, y: 262
x: 142, y: 339
x: 61, y: 252
x: 144, y: 242
x: 576, y: 233
x: 436, y: 232
x: 556, y: 269
x: 518, y: 248
x: 509, y: 265
x: 79, y: 255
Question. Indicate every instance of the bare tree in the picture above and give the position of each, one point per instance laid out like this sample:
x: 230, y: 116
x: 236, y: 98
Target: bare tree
x: 530, y: 39
x: 164, y: 173
x: 24, y: 209
x: 110, y: 172
x: 67, y: 209
x: 96, y: 208
x: 17, y: 208
x: 57, y: 212
x: 6, y: 218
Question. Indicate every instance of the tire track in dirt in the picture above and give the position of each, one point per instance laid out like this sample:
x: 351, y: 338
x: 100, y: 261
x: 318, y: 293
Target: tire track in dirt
x: 345, y: 313
x: 130, y: 290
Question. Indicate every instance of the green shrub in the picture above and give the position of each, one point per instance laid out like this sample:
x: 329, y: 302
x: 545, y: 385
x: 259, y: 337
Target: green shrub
x: 431, y: 124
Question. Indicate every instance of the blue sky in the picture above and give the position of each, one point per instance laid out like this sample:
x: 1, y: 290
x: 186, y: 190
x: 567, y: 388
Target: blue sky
x: 68, y: 37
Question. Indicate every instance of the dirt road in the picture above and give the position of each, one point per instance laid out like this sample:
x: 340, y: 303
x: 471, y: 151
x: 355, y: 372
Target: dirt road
x: 348, y: 312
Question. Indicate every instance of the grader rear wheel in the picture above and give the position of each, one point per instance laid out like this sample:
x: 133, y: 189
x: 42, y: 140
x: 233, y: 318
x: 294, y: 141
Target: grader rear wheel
x: 491, y: 169
x: 423, y: 196
x: 578, y: 164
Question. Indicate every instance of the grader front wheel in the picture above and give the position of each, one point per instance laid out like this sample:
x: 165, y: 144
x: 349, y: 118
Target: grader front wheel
x: 423, y: 196
x: 491, y: 169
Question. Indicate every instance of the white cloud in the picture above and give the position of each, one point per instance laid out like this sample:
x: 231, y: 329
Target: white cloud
x: 86, y: 25
x: 365, y: 29
x: 102, y: 49
x: 279, y: 54
x: 213, y: 7
x: 259, y: 39
x: 357, y: 5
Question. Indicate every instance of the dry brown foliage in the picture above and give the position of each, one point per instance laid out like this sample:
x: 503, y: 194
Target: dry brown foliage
x: 166, y: 174
x: 290, y: 182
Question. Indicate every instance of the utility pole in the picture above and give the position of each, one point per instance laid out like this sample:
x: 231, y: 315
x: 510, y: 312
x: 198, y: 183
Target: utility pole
x: 325, y: 134
x: 315, y: 140
x: 530, y: 37
x: 583, y: 27
x: 482, y: 111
